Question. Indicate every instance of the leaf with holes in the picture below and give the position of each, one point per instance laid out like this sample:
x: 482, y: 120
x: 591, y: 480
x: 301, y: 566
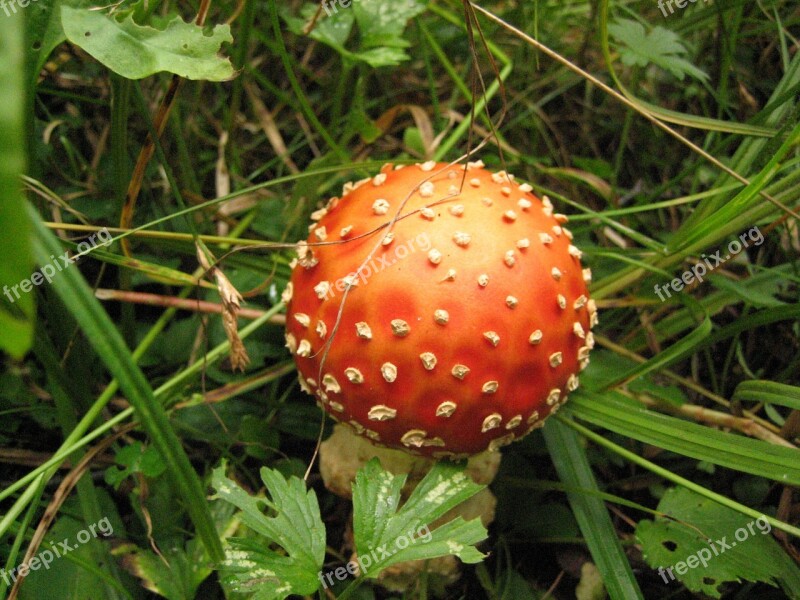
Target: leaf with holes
x: 137, y: 51
x: 705, y: 544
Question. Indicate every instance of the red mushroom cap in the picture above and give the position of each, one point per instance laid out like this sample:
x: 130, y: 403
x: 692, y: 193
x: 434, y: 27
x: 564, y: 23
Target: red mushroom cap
x: 464, y: 323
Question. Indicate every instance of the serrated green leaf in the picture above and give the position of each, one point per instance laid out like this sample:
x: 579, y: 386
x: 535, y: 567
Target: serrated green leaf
x: 252, y: 566
x: 332, y: 29
x: 385, y: 535
x: 706, y: 544
x: 382, y: 22
x: 660, y: 47
x: 137, y: 51
x: 187, y: 570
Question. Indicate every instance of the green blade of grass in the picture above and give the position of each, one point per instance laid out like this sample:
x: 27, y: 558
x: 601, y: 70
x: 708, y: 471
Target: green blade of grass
x: 574, y: 470
x: 665, y: 358
x: 612, y: 411
x: 670, y: 476
x: 768, y: 391
x: 109, y: 346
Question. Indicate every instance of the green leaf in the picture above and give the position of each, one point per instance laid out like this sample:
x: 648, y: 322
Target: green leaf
x: 704, y: 544
x: 187, y: 570
x: 757, y: 296
x: 385, y: 535
x: 137, y: 51
x: 16, y: 308
x: 660, y: 47
x: 332, y: 30
x: 296, y: 527
x: 135, y: 458
x: 382, y: 22
x: 75, y: 574
x: 663, y: 359
x: 43, y: 32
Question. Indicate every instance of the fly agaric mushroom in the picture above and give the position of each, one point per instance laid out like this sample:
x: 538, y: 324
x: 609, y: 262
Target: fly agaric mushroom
x: 439, y: 309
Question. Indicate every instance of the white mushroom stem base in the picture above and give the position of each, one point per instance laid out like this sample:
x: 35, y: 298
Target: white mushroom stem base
x: 344, y: 453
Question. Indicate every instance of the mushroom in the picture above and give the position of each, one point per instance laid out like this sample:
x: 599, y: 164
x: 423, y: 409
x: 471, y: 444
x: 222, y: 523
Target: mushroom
x: 461, y: 334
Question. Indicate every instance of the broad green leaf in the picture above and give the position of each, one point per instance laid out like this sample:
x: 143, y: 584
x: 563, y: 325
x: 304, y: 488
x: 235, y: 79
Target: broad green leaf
x: 253, y: 566
x: 137, y: 51
x: 381, y: 57
x: 333, y: 29
x: 16, y: 306
x: 43, y: 32
x: 660, y: 47
x: 385, y: 535
x: 382, y: 22
x: 704, y: 544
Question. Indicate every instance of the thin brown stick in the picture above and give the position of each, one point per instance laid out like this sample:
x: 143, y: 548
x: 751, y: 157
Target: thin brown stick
x: 201, y: 306
x: 766, y: 429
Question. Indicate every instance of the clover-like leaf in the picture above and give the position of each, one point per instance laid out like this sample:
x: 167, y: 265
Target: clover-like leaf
x: 660, y: 47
